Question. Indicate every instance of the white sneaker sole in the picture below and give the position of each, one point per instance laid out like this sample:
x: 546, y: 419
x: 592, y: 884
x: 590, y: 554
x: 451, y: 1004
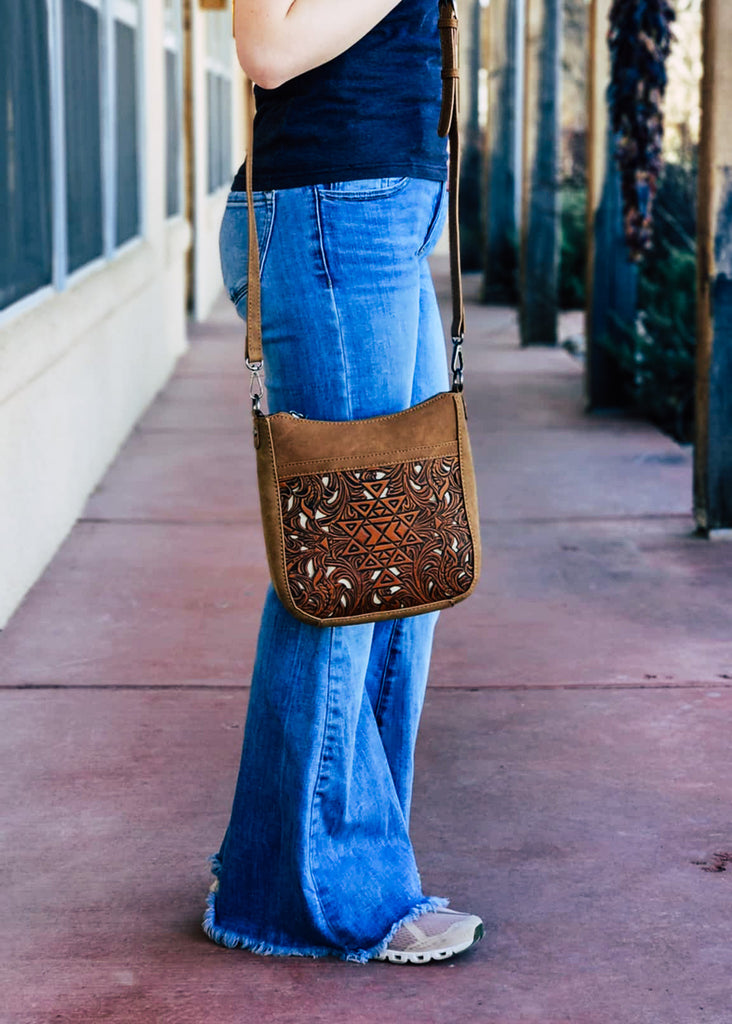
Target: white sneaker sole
x: 404, y: 956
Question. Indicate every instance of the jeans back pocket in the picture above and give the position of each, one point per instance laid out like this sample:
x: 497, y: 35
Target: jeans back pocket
x: 234, y: 240
x: 363, y: 188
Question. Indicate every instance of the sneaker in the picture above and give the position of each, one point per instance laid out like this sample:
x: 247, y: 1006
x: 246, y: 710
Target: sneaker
x: 436, y: 935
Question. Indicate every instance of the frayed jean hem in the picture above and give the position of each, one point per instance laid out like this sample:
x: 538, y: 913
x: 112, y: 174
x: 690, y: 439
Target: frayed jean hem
x: 235, y: 940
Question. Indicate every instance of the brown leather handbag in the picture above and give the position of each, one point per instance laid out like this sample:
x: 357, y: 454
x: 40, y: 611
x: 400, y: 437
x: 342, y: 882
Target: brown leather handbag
x: 376, y: 518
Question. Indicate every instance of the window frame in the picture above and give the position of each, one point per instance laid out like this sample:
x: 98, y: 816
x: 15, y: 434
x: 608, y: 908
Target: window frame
x: 130, y: 13
x: 218, y: 64
x: 173, y: 43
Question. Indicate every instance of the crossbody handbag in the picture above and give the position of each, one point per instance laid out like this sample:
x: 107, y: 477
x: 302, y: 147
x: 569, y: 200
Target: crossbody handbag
x: 374, y: 518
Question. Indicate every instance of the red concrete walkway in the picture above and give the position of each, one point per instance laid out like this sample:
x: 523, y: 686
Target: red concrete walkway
x: 573, y: 767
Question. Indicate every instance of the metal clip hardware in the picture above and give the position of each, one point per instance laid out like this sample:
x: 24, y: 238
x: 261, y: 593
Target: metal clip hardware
x: 457, y: 362
x: 256, y: 384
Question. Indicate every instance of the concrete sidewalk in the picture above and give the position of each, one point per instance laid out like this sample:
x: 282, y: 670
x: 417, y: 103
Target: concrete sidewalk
x: 573, y: 766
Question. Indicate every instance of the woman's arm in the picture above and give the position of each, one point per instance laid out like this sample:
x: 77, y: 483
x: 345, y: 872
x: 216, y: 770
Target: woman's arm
x: 279, y: 39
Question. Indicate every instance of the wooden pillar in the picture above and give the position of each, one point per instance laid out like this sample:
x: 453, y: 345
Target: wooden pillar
x: 713, y: 452
x: 503, y: 149
x: 540, y: 224
x: 611, y: 277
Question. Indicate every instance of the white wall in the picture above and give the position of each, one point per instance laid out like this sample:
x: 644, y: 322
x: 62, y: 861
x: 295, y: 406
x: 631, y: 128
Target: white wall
x: 111, y: 342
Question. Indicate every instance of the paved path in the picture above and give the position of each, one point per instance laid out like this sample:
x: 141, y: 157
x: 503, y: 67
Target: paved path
x: 573, y: 777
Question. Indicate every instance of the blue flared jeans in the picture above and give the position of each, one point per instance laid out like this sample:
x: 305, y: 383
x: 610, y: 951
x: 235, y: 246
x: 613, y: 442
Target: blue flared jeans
x: 317, y: 859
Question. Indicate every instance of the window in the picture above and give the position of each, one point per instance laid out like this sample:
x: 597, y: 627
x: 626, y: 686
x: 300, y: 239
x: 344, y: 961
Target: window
x: 69, y: 138
x: 83, y: 123
x: 173, y: 109
x: 218, y: 97
x: 126, y: 128
x: 25, y: 151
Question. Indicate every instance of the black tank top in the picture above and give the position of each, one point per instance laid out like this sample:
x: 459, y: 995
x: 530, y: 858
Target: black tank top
x: 372, y: 112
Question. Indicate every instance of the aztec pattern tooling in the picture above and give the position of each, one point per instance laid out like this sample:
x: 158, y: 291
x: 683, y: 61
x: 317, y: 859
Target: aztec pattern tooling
x: 386, y: 539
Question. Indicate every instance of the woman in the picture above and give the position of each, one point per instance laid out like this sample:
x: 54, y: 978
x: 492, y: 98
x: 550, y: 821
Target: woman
x: 349, y: 179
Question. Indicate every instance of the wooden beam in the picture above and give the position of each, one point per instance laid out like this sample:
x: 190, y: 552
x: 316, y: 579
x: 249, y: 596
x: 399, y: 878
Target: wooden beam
x: 540, y: 224
x: 713, y: 451
x: 611, y: 277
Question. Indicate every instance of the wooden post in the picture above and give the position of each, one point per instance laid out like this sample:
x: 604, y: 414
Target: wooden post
x: 503, y: 149
x: 540, y: 225
x: 713, y: 452
x: 611, y: 277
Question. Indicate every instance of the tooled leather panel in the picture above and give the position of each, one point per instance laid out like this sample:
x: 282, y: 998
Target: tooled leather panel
x: 365, y: 540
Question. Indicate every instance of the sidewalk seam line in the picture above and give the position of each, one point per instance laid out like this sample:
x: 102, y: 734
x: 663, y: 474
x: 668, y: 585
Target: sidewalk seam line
x: 516, y: 688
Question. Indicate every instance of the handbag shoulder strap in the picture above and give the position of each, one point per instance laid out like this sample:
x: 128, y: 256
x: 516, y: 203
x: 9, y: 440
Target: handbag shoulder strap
x: 448, y: 126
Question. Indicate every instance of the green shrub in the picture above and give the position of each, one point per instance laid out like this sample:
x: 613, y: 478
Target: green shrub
x: 573, y: 253
x: 658, y: 355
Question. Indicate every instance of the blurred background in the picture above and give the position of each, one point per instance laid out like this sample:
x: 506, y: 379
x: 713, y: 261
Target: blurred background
x: 122, y: 124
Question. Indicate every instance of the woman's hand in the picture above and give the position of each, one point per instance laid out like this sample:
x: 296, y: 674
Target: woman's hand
x: 279, y: 39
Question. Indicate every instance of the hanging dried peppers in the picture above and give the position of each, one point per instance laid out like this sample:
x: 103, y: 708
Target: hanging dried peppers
x: 640, y: 39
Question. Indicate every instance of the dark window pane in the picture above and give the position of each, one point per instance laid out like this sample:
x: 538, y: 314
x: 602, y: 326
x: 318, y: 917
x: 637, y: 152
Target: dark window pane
x: 25, y: 150
x: 82, y: 109
x: 173, y: 136
x: 128, y: 203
